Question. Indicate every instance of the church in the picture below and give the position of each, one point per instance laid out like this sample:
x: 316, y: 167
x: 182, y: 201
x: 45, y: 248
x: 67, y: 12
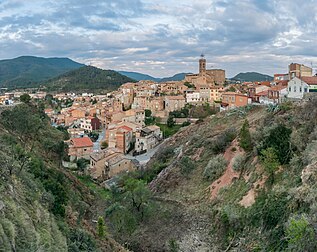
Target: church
x: 210, y: 77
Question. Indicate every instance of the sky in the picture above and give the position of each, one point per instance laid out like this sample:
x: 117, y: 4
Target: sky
x: 165, y: 37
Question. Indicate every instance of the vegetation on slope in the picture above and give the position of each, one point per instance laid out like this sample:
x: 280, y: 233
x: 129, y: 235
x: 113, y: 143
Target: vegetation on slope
x: 252, y: 76
x: 244, y: 172
x: 88, y: 78
x: 42, y: 206
x: 28, y: 71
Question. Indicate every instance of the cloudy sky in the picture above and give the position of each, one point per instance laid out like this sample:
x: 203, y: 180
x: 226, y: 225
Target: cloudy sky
x: 163, y: 37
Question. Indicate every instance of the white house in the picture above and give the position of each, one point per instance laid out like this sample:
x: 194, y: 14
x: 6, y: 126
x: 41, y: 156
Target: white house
x: 297, y: 87
x: 192, y: 96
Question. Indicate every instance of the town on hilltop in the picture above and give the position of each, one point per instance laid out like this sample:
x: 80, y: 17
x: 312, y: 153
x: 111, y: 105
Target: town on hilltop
x: 120, y: 131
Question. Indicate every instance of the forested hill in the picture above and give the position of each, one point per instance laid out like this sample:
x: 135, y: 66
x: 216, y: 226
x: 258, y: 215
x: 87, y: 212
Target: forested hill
x: 88, y: 78
x: 252, y: 76
x: 26, y: 71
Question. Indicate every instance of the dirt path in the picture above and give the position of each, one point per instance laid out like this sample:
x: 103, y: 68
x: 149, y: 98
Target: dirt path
x: 230, y: 174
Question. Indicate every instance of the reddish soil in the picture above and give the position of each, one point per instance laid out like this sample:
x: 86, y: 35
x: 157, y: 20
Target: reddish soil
x: 230, y: 174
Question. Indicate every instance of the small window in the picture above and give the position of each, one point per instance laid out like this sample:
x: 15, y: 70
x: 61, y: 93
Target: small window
x: 305, y: 89
x: 294, y: 88
x: 300, y: 89
x: 289, y: 89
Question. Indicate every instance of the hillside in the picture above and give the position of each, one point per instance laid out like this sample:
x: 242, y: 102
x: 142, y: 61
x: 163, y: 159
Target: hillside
x: 252, y: 76
x: 88, y: 78
x: 140, y: 76
x: 243, y: 172
x: 43, y: 206
x: 26, y: 71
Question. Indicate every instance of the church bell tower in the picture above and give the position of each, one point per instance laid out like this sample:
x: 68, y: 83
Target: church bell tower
x: 202, y: 64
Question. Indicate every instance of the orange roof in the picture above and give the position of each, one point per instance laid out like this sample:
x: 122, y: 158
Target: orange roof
x: 125, y: 128
x: 310, y: 80
x: 263, y: 93
x: 82, y: 142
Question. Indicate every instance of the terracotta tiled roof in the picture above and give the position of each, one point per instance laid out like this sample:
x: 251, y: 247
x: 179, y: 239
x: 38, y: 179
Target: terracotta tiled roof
x: 263, y: 93
x: 82, y: 142
x: 125, y: 128
x: 310, y: 80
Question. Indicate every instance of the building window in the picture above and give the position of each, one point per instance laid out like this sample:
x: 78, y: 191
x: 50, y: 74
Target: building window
x: 300, y: 89
x: 305, y: 89
x: 294, y: 88
x: 289, y: 89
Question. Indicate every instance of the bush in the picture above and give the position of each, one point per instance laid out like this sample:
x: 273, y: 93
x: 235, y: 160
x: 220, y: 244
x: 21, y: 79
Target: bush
x: 215, y: 168
x: 184, y: 124
x: 300, y: 235
x: 104, y: 145
x: 238, y: 162
x: 221, y: 142
x: 186, y: 165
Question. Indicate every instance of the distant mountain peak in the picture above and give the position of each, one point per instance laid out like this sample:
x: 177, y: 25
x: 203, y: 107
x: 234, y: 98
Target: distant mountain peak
x: 252, y: 76
x: 139, y: 76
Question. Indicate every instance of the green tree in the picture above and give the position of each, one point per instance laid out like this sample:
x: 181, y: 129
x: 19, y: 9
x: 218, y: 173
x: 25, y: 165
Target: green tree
x: 300, y: 235
x: 148, y: 113
x: 25, y: 98
x: 101, y: 227
x: 170, y: 122
x: 245, y: 137
x: 104, y: 145
x: 279, y: 138
x: 270, y: 162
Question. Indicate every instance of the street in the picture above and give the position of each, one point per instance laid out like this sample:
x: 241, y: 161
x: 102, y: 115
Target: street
x: 99, y: 140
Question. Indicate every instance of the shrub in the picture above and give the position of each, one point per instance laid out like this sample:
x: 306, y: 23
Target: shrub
x: 104, y: 145
x: 186, y: 165
x: 215, y: 168
x: 221, y: 142
x: 238, y: 162
x: 184, y: 124
x: 300, y: 235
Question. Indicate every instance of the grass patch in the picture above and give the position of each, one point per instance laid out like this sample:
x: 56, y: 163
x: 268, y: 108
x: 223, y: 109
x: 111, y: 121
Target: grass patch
x: 168, y: 131
x: 235, y: 192
x: 102, y: 192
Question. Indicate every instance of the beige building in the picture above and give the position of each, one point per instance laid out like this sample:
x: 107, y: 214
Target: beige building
x: 80, y: 147
x: 173, y: 103
x: 206, y: 76
x: 110, y: 162
x: 147, y: 138
x: 299, y: 70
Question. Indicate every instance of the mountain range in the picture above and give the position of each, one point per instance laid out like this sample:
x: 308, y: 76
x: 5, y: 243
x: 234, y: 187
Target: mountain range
x: 26, y: 71
x: 139, y: 76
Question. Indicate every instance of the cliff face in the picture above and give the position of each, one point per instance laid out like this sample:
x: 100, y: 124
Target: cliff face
x: 218, y: 192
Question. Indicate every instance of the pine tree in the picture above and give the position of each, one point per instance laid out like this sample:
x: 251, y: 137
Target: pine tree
x: 101, y: 228
x: 245, y: 137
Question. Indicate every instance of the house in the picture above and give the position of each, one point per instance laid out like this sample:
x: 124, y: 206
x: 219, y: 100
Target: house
x: 147, y: 138
x: 124, y: 139
x: 173, y: 103
x: 215, y: 93
x: 80, y: 147
x: 90, y: 123
x: 254, y: 90
x: 110, y: 162
x: 299, y: 70
x: 192, y: 97
x: 233, y: 100
x: 297, y: 87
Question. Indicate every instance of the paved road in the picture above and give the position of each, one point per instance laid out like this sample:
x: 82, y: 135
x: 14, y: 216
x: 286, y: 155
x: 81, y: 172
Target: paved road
x: 144, y: 158
x: 99, y: 140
